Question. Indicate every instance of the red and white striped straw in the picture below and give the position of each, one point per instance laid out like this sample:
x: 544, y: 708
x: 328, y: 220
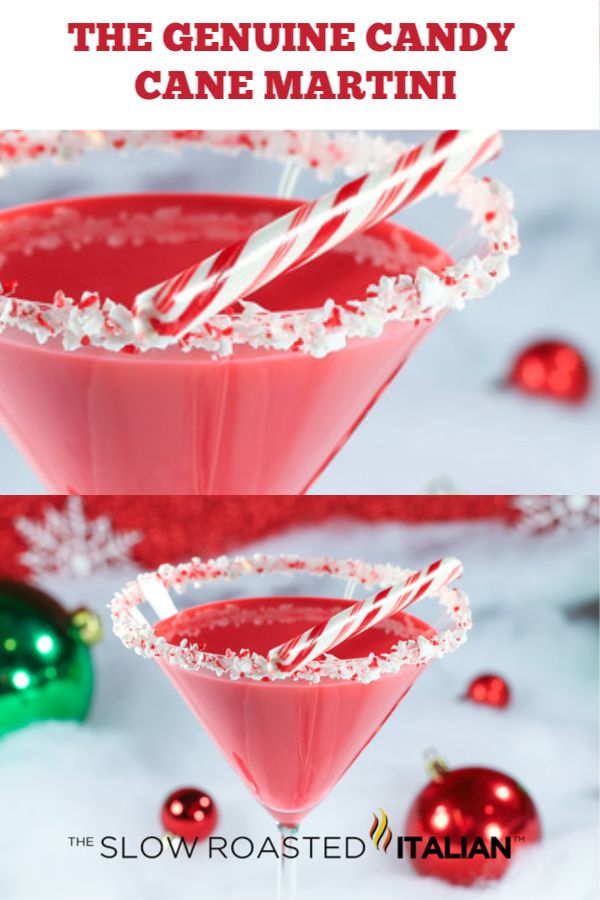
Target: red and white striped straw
x: 182, y: 303
x: 362, y: 615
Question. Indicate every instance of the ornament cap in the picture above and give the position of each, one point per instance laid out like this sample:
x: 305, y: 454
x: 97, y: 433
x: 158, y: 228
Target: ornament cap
x: 88, y: 626
x: 435, y: 764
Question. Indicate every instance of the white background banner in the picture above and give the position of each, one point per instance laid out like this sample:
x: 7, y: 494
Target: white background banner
x: 401, y: 72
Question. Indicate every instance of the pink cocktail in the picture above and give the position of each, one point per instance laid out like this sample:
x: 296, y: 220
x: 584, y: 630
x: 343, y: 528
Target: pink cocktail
x: 258, y: 416
x: 259, y: 398
x: 290, y: 736
x: 256, y: 723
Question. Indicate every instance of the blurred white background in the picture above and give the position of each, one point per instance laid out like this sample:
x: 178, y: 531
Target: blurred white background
x: 446, y: 418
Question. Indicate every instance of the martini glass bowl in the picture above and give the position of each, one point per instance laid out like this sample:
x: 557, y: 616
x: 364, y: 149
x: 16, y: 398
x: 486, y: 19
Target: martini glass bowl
x: 259, y: 420
x: 262, y: 399
x: 290, y: 737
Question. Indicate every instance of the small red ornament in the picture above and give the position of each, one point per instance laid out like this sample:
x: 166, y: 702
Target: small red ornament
x: 552, y: 369
x: 464, y: 809
x: 189, y: 813
x: 489, y: 690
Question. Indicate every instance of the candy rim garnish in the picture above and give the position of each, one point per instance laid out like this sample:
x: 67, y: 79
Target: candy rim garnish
x: 136, y: 633
x: 92, y: 322
x: 181, y: 303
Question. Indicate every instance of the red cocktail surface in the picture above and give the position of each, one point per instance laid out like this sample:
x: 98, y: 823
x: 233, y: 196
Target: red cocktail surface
x: 290, y: 740
x: 167, y: 421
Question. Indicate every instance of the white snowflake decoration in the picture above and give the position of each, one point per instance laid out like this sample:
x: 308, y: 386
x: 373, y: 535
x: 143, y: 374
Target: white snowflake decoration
x: 549, y: 513
x: 65, y: 542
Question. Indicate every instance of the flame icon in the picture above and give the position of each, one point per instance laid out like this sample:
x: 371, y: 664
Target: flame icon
x: 380, y: 832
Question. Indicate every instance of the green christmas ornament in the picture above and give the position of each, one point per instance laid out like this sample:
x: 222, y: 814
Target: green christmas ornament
x: 45, y: 662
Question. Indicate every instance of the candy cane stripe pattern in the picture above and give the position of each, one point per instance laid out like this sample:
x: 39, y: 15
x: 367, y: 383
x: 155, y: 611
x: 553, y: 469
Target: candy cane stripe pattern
x: 362, y: 615
x: 183, y: 303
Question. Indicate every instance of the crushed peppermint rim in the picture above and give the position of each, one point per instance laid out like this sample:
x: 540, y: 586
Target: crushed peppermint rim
x: 130, y: 625
x: 89, y: 321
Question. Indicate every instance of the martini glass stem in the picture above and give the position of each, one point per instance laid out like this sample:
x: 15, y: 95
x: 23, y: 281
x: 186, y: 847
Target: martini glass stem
x: 287, y: 868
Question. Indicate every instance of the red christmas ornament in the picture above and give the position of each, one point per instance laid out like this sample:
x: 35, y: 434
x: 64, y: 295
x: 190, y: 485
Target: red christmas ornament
x: 463, y: 810
x: 189, y: 813
x: 489, y: 690
x: 552, y: 369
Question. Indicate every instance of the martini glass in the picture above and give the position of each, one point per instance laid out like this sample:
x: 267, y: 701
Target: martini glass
x: 263, y: 397
x: 259, y: 420
x: 290, y: 737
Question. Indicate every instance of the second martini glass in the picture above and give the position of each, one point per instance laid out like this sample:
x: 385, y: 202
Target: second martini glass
x: 290, y: 737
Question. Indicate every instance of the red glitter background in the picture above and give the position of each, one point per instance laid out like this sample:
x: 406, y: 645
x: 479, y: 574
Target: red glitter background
x: 176, y: 528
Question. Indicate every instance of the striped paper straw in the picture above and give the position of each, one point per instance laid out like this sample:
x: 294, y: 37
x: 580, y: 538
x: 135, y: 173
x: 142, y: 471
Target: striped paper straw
x: 182, y: 303
x: 362, y: 615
